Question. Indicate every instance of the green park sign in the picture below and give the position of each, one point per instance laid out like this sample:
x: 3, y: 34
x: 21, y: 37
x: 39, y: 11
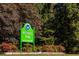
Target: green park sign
x: 27, y: 34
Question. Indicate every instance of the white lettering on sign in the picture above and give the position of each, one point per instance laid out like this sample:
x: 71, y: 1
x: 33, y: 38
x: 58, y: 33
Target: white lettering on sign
x: 28, y: 36
x: 24, y: 32
x: 28, y: 33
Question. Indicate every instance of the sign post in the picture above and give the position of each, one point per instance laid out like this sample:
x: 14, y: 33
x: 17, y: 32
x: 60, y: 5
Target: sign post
x: 27, y: 35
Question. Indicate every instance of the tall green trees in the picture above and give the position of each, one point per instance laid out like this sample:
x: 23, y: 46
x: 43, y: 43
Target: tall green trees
x: 46, y: 13
x: 60, y: 23
x: 61, y: 26
x: 64, y: 31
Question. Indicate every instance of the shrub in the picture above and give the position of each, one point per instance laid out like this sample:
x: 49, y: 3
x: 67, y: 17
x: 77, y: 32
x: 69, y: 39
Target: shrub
x: 53, y: 48
x: 8, y: 47
x: 38, y: 48
x: 60, y: 48
x: 27, y: 48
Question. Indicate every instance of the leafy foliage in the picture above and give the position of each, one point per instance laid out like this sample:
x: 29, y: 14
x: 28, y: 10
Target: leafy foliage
x: 56, y: 25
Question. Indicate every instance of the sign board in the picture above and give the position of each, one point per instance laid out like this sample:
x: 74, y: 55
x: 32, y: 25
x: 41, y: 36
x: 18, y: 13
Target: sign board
x: 27, y: 33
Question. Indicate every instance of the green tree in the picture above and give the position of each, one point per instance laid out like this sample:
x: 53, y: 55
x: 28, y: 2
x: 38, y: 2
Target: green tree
x: 62, y: 24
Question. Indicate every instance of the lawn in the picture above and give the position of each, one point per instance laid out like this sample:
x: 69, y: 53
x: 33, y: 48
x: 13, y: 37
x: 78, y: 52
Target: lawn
x: 39, y: 54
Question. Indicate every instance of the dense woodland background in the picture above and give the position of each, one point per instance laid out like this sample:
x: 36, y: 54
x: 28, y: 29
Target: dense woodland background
x: 56, y: 25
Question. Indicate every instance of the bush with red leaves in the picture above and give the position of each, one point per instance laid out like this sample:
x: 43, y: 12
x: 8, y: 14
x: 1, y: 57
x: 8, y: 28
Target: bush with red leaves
x: 8, y: 47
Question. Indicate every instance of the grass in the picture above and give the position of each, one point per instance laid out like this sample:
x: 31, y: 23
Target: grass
x: 40, y: 55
